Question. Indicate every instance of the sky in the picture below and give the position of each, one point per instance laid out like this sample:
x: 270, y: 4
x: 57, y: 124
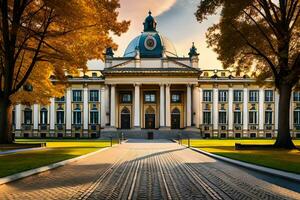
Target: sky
x: 175, y: 20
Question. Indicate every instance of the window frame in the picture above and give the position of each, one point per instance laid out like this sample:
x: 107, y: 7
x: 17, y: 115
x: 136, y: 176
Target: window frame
x: 122, y: 94
x: 76, y: 98
x: 94, y: 98
x: 151, y: 95
x: 240, y: 98
x: 269, y: 95
x: 223, y: 96
x: 256, y: 92
x: 207, y: 98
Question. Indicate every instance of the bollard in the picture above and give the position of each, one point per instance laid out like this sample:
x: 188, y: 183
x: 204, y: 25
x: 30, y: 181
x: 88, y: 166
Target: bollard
x: 189, y: 142
x: 111, y: 141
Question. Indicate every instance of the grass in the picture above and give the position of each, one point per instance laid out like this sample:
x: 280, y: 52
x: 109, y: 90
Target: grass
x: 286, y: 160
x: 57, y: 150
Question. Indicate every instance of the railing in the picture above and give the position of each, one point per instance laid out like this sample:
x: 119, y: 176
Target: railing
x: 27, y: 127
x: 44, y: 127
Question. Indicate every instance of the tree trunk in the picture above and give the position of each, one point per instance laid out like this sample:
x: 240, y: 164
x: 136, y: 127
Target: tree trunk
x: 6, y: 136
x: 284, y: 139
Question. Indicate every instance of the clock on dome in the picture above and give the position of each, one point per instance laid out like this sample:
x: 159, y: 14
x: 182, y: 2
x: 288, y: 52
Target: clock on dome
x: 150, y: 42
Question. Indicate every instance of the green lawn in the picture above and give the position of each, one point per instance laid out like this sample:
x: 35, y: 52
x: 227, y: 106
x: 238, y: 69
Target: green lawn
x: 57, y: 150
x: 287, y: 160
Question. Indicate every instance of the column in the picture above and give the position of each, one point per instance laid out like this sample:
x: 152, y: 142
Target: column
x: 196, y: 106
x: 245, y: 111
x: 103, y: 106
x: 68, y: 112
x: 230, y: 110
x: 113, y: 106
x: 215, y: 110
x: 18, y: 118
x: 168, y: 107
x: 137, y: 106
x: 35, y: 118
x: 276, y: 111
x: 52, y: 116
x: 200, y: 106
x: 162, y: 106
x: 188, y: 106
x: 107, y: 105
x: 261, y: 110
x: 85, y: 110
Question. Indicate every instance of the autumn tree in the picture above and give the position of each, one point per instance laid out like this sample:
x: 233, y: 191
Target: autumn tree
x: 261, y: 37
x: 40, y: 38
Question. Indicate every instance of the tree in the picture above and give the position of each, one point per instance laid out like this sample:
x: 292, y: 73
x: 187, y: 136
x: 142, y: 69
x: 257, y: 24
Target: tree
x: 262, y: 37
x: 43, y: 38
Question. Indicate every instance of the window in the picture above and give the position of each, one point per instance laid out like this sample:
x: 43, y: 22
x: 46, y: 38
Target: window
x: 77, y: 95
x: 206, y: 117
x: 60, y: 117
x: 237, y: 117
x: 207, y: 95
x: 253, y: 95
x: 176, y: 98
x: 268, y: 95
x: 297, y: 96
x: 237, y: 95
x: 223, y: 95
x: 150, y: 97
x: 94, y: 116
x: 126, y: 97
x: 222, y: 117
x: 77, y: 116
x: 297, y: 116
x: 253, y: 118
x: 94, y: 95
x: 268, y: 117
x: 60, y: 99
x: 94, y: 74
x: 27, y: 116
x: 44, y: 116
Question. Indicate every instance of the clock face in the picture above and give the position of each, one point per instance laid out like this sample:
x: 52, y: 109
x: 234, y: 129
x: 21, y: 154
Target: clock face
x: 150, y: 42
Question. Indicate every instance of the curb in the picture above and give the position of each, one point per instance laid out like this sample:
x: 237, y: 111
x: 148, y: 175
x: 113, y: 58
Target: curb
x: 21, y: 150
x: 282, y: 174
x: 31, y: 172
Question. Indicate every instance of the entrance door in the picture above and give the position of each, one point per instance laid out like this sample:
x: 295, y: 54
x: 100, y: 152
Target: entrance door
x: 150, y: 121
x: 175, y: 119
x: 125, y: 119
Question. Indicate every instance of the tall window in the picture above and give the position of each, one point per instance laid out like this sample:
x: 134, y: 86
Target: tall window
x: 207, y: 95
x: 150, y: 97
x: 60, y: 116
x: 44, y: 116
x: 206, y: 117
x: 269, y: 116
x: 222, y: 117
x: 237, y: 117
x: 253, y: 118
x: 77, y: 116
x: 253, y: 96
x: 296, y: 96
x: 27, y: 116
x: 125, y: 97
x: 77, y: 95
x: 94, y: 116
x: 297, y: 116
x: 94, y: 95
x: 223, y: 95
x: 237, y: 95
x: 269, y: 95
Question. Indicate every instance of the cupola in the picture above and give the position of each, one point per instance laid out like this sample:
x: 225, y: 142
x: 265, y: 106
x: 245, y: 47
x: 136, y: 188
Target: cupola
x: 150, y: 24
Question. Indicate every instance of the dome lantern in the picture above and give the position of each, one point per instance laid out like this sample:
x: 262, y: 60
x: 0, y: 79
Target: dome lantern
x: 150, y: 23
x: 193, y: 51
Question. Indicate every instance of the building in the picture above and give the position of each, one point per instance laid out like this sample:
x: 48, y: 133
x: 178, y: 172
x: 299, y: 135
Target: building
x: 151, y: 88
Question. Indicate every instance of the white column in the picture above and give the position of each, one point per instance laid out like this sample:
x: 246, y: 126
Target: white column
x: 261, y: 110
x: 107, y: 105
x: 35, y: 117
x: 200, y: 106
x: 162, y: 106
x: 276, y: 111
x: 215, y: 109
x: 245, y: 110
x: 168, y: 107
x: 103, y: 107
x: 18, y: 117
x: 113, y: 106
x: 137, y: 106
x: 230, y: 109
x: 196, y: 106
x: 85, y: 110
x: 188, y: 106
x: 68, y: 111
x: 52, y: 114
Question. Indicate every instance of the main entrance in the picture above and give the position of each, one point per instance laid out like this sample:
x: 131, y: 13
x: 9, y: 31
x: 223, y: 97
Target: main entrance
x: 175, y: 119
x: 150, y: 118
x: 125, y: 119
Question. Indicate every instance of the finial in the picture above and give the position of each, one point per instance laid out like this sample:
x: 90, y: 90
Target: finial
x: 149, y: 12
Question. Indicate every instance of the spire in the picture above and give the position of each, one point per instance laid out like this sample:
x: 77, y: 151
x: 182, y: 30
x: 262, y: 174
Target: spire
x: 150, y: 23
x: 109, y: 52
x: 193, y: 51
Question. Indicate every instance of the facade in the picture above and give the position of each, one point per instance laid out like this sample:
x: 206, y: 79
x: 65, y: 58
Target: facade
x: 151, y: 88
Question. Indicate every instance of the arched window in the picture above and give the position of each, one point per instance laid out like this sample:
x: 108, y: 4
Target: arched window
x: 44, y: 116
x: 176, y: 111
x: 60, y: 115
x: 94, y: 115
x: 77, y: 116
x: 125, y: 111
x: 269, y: 116
x: 237, y: 115
x: 253, y: 118
x: 150, y: 110
x: 297, y: 116
x: 27, y: 116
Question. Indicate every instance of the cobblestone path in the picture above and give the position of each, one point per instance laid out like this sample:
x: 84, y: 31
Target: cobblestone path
x: 145, y: 170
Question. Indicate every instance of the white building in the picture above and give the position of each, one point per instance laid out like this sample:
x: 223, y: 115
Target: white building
x: 151, y: 88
